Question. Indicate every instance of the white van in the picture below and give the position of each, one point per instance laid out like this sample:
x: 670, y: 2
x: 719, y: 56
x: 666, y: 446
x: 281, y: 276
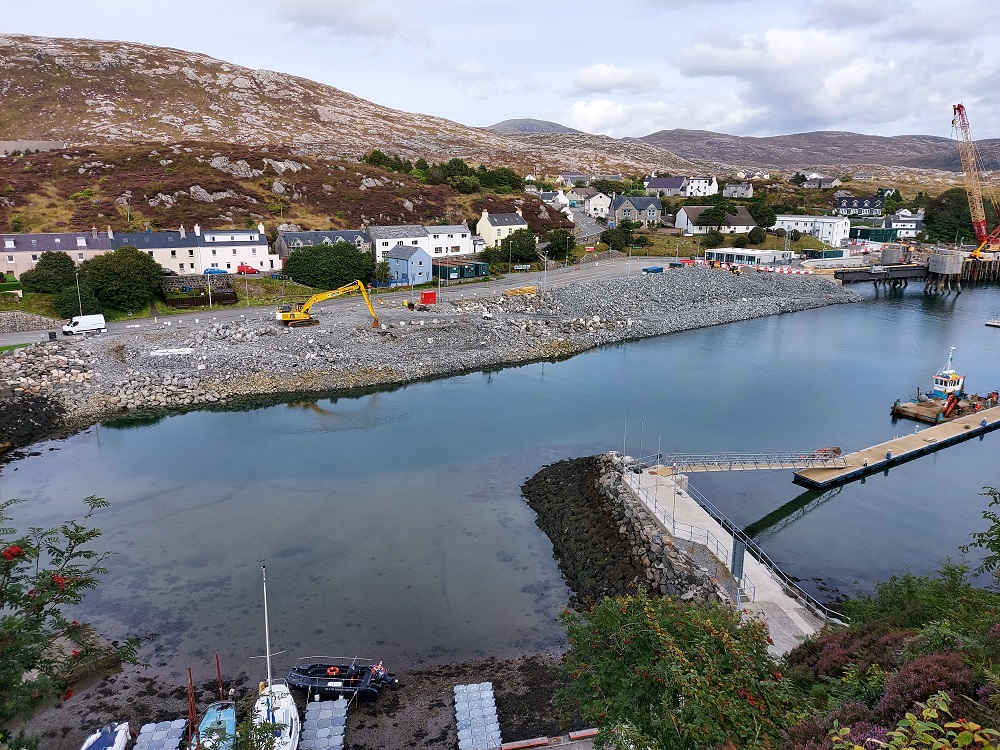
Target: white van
x: 84, y: 323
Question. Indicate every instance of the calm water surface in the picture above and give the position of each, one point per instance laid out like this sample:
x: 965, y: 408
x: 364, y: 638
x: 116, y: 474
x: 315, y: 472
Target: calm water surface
x: 393, y: 525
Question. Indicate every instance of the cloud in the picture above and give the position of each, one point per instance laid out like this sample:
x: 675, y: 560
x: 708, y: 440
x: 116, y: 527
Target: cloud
x: 822, y: 78
x: 602, y: 77
x: 618, y: 119
x: 347, y: 18
x: 466, y: 72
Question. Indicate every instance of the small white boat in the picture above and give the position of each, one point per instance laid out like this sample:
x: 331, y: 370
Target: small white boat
x: 110, y: 737
x: 276, y: 705
x: 995, y: 323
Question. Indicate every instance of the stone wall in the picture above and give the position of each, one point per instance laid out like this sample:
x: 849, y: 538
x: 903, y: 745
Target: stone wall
x: 669, y: 571
x: 15, y: 321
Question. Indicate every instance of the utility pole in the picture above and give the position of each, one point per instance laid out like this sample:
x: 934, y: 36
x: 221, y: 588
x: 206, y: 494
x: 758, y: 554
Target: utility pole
x: 79, y: 299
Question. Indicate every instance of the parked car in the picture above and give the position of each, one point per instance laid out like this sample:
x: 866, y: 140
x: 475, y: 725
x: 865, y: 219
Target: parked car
x: 168, y: 272
x: 214, y: 270
x: 85, y: 323
x: 242, y: 268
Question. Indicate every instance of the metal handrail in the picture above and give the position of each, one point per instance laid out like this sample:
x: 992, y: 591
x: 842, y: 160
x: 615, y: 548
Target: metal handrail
x: 776, y: 459
x: 705, y: 537
x: 791, y: 588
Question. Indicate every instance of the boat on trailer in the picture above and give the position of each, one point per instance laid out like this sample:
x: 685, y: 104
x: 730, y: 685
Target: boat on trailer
x: 332, y: 677
x: 109, y: 737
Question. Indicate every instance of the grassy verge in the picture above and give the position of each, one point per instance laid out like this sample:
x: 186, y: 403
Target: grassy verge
x: 12, y: 347
x: 39, y: 304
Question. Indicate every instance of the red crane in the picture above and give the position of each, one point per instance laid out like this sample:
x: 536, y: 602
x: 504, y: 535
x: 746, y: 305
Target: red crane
x: 973, y: 185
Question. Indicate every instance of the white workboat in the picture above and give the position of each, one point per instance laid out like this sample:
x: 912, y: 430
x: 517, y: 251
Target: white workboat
x: 275, y: 705
x: 110, y: 737
x: 995, y: 323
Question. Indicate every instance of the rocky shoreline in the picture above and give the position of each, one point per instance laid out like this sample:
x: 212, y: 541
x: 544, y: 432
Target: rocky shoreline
x: 58, y: 387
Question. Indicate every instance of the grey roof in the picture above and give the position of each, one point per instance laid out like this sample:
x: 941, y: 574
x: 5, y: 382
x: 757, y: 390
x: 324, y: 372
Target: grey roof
x: 155, y: 240
x: 585, y: 192
x: 609, y: 177
x: 546, y: 195
x: 666, y: 183
x: 448, y: 229
x: 506, y: 220
x: 403, y: 252
x: 400, y: 232
x: 638, y: 202
x: 325, y: 238
x: 741, y: 218
x: 50, y: 242
x: 573, y: 174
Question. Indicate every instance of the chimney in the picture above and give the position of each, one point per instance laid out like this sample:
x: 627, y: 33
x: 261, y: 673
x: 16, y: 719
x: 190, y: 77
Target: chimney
x: 197, y: 231
x: 518, y: 212
x: 184, y: 233
x: 486, y: 214
x: 111, y: 234
x: 260, y: 228
x: 93, y: 232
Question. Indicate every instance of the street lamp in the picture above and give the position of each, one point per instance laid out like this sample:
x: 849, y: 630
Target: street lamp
x: 510, y: 256
x: 79, y: 299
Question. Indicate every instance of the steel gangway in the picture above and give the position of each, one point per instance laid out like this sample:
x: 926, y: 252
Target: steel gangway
x: 668, y: 463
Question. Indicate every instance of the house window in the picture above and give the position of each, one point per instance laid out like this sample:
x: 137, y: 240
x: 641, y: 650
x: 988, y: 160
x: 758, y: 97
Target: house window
x: 627, y: 212
x: 438, y: 250
x: 498, y: 234
x: 385, y: 244
x: 253, y: 251
x: 191, y: 255
x: 34, y: 258
x: 191, y: 266
x: 79, y: 256
x: 80, y: 241
x: 451, y: 236
x: 148, y: 252
x: 234, y: 251
x: 213, y: 251
x: 229, y: 265
x: 413, y: 242
x: 437, y: 235
x: 173, y: 253
x: 9, y: 244
x: 10, y: 258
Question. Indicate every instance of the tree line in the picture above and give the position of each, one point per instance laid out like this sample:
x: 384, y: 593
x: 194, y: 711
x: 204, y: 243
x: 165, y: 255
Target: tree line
x: 455, y: 172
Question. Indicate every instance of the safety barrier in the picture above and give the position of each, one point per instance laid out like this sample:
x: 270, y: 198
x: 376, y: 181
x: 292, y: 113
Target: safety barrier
x: 790, y: 587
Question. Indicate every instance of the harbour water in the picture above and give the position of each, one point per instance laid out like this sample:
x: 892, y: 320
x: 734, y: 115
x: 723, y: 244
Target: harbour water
x: 392, y: 522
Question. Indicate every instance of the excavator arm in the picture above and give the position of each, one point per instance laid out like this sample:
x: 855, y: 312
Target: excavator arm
x: 298, y: 314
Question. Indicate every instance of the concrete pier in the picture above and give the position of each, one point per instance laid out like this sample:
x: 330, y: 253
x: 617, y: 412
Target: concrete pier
x: 788, y: 618
x: 900, y: 450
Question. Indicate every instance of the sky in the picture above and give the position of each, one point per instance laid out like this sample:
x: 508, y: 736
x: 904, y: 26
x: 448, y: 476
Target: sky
x: 619, y: 68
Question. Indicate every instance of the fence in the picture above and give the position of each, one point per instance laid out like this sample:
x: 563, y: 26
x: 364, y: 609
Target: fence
x: 790, y: 587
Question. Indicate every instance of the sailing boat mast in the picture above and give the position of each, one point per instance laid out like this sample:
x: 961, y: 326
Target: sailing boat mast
x: 267, y: 628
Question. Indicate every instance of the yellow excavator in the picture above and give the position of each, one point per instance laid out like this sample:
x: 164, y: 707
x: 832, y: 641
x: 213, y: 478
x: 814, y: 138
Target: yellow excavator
x: 297, y: 315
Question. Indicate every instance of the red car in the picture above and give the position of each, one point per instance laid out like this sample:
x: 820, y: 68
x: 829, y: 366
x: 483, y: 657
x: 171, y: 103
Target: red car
x: 245, y: 269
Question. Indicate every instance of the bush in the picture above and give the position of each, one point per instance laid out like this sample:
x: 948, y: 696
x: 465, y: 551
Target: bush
x: 713, y: 238
x: 126, y: 279
x: 741, y: 240
x: 68, y: 303
x: 757, y: 235
x: 922, y: 678
x: 681, y: 674
x: 330, y: 266
x: 53, y: 272
x: 832, y: 652
x: 813, y: 733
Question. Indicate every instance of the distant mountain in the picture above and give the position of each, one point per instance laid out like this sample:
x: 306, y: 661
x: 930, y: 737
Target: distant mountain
x: 836, y: 148
x: 527, y: 125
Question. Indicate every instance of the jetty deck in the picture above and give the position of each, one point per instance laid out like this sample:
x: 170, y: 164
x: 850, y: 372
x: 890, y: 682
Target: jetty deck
x: 900, y: 450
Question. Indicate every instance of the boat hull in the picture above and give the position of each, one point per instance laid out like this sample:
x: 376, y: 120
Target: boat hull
x: 109, y: 737
x: 358, y: 679
x: 217, y: 727
x: 276, y: 705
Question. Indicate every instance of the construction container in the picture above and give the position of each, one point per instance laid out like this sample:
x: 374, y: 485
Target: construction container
x: 945, y: 262
x: 892, y: 255
x: 428, y: 298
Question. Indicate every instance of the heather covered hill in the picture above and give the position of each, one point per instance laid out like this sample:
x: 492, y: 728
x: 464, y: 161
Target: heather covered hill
x: 223, y: 185
x: 90, y: 92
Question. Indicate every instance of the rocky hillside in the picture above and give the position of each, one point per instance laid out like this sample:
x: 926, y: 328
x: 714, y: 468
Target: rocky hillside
x: 807, y: 150
x: 86, y: 92
x: 222, y: 186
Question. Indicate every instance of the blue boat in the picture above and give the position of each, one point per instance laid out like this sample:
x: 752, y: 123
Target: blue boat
x: 217, y: 727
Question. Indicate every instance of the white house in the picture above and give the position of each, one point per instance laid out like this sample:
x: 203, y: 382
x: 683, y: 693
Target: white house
x: 597, y: 206
x: 229, y: 249
x: 569, y: 179
x: 738, y: 190
x: 908, y: 224
x: 21, y: 252
x: 495, y: 228
x: 700, y: 186
x: 451, y: 241
x: 740, y: 222
x: 833, y: 230
x: 288, y: 241
x: 750, y: 256
x: 384, y: 238
x: 408, y: 264
x: 668, y: 187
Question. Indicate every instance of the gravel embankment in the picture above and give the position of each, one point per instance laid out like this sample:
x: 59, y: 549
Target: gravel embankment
x: 187, y: 365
